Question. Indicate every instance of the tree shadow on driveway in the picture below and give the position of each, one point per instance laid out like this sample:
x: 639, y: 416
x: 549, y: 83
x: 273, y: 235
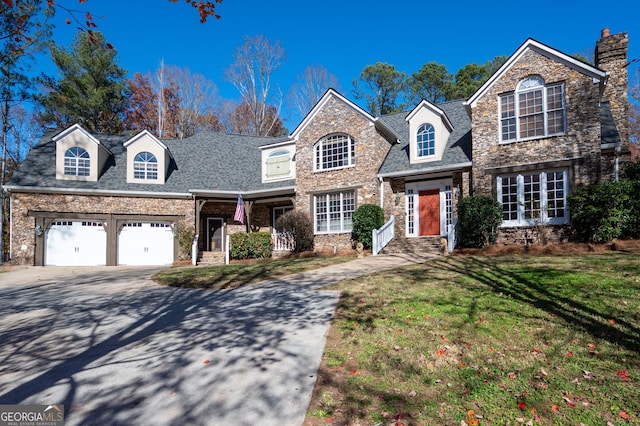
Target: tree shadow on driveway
x: 116, y: 349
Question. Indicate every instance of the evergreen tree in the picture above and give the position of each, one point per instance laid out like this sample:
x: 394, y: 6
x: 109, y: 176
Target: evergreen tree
x: 383, y: 88
x: 92, y: 89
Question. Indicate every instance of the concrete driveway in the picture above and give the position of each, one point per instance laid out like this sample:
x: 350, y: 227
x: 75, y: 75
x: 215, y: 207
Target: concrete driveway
x: 115, y: 348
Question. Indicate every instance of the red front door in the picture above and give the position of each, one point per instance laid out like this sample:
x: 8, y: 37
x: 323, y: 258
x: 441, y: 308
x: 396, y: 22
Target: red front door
x: 429, y: 205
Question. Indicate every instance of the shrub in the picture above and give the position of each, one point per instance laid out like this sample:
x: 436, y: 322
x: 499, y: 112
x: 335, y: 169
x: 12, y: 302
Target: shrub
x: 253, y: 245
x: 185, y: 236
x: 606, y: 211
x: 479, y: 217
x: 366, y: 218
x: 299, y: 226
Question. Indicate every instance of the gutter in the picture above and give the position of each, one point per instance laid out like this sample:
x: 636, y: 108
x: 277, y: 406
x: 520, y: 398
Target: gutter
x: 79, y: 191
x: 245, y: 194
x: 427, y: 170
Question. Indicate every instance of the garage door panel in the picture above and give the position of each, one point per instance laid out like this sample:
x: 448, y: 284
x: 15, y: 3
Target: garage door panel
x: 76, y: 243
x: 145, y: 243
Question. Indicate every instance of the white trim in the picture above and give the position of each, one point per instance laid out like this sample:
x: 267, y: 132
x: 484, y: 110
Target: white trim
x: 598, y: 75
x: 428, y: 105
x: 246, y: 194
x: 521, y: 221
x: 82, y: 191
x: 410, y: 172
x: 442, y: 185
x: 72, y: 129
x: 140, y: 136
x: 278, y: 144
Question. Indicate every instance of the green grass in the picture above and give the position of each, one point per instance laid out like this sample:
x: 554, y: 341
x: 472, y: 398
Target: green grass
x: 549, y: 339
x: 241, y: 274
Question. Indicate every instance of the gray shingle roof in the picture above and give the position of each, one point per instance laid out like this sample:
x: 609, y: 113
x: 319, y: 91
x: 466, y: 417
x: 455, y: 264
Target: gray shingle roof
x: 212, y: 161
x: 457, y: 151
x: 608, y: 130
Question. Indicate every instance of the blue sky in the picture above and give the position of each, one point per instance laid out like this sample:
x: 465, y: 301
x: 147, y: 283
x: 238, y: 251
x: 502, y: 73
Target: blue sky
x: 346, y: 35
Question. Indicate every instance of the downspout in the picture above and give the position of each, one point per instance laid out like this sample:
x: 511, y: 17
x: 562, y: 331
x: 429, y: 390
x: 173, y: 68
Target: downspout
x: 381, y: 192
x: 617, y: 162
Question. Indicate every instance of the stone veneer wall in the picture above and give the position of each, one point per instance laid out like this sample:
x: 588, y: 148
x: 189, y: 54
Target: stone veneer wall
x: 371, y: 149
x: 22, y: 225
x: 611, y: 55
x: 581, y: 140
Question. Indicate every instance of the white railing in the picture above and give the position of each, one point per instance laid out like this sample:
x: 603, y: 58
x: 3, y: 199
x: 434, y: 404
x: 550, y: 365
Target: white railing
x: 381, y: 237
x: 194, y: 251
x: 282, y: 241
x: 451, y: 236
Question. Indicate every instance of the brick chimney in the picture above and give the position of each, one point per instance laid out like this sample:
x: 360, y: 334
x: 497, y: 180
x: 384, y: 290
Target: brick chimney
x: 611, y: 55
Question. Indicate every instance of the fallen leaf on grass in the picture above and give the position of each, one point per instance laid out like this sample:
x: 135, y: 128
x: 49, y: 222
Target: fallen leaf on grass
x: 555, y: 408
x: 624, y: 375
x: 522, y: 405
x: 569, y: 402
x: 353, y: 372
x: 441, y: 352
x: 624, y: 415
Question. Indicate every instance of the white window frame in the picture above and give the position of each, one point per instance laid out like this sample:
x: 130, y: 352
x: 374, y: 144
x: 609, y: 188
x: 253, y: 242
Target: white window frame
x: 524, y: 88
x: 145, y: 169
x: 521, y: 210
x: 77, y: 162
x: 426, y: 135
x: 322, y: 208
x: 344, y: 153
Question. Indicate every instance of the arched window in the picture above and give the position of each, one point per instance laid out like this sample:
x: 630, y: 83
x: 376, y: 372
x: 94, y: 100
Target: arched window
x: 533, y: 110
x: 426, y: 138
x: 334, y: 152
x: 145, y: 166
x: 77, y: 162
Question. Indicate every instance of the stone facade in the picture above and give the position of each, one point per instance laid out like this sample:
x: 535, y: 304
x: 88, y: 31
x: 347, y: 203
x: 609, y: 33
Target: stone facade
x: 30, y: 209
x: 579, y: 147
x: 336, y: 117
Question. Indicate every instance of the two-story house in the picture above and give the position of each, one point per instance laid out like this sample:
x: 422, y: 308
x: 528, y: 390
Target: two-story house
x: 542, y: 125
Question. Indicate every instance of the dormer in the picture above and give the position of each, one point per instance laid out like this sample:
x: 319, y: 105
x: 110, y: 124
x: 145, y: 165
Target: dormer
x: 278, y: 161
x: 148, y: 159
x: 79, y: 155
x: 429, y: 130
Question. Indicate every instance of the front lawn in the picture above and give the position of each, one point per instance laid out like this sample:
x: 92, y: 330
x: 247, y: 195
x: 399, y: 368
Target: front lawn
x: 241, y: 274
x: 479, y: 340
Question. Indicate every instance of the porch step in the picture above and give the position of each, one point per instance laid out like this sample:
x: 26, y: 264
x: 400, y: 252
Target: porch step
x: 211, y: 258
x: 420, y: 246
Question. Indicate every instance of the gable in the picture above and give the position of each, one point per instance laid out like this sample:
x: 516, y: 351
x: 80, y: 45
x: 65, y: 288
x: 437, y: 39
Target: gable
x: 532, y: 45
x: 145, y: 146
x: 78, y: 139
x: 428, y: 117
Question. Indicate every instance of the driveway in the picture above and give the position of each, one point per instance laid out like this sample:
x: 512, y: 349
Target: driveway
x: 115, y: 348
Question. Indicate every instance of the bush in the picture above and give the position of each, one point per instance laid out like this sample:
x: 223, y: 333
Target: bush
x: 299, y: 227
x: 606, y: 211
x: 253, y: 245
x: 479, y: 217
x: 185, y: 237
x: 366, y: 218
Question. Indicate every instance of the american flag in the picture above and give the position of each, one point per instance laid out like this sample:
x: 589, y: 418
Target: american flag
x: 239, y: 215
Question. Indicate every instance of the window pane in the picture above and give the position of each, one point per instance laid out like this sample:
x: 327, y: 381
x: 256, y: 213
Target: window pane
x: 555, y: 194
x: 321, y: 213
x: 334, y: 152
x: 509, y: 198
x: 532, y: 196
x: 508, y: 117
x: 426, y: 140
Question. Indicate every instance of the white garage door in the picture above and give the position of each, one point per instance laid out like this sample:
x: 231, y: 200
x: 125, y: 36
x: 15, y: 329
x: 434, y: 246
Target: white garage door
x: 75, y: 243
x: 145, y: 243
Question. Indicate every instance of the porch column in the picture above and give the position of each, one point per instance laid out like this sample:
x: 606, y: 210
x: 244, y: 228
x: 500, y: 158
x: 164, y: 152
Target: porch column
x: 199, y: 205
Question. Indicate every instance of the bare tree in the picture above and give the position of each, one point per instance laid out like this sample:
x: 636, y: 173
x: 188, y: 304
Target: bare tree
x: 309, y: 88
x: 255, y: 62
x: 196, y: 98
